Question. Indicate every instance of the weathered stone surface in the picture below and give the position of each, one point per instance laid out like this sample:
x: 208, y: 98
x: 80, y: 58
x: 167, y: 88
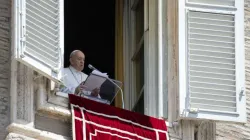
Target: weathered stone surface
x: 34, y: 133
x: 5, y: 32
x: 13, y: 136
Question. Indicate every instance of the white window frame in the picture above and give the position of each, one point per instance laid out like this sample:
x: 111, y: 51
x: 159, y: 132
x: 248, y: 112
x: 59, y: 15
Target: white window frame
x: 151, y: 60
x: 238, y: 10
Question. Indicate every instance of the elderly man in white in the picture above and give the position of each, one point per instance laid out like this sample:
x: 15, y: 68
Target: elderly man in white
x: 73, y: 76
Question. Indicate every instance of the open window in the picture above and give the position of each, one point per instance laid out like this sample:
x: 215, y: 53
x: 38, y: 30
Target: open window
x: 44, y: 43
x: 211, y: 60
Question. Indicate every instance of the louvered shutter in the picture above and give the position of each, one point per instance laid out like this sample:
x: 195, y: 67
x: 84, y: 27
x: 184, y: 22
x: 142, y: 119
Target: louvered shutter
x: 211, y: 60
x: 41, y: 36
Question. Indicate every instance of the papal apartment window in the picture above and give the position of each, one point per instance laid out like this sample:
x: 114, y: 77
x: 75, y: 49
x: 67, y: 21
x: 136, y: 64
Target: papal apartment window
x: 44, y: 40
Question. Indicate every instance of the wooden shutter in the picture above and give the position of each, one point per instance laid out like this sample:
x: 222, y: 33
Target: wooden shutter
x: 211, y: 60
x: 40, y: 36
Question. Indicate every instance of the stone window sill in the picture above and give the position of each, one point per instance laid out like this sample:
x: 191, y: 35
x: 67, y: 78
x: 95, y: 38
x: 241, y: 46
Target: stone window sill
x: 55, y: 111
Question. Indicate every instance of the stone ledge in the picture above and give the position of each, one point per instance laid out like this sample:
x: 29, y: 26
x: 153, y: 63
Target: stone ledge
x: 55, y: 111
x: 33, y: 133
x: 13, y: 136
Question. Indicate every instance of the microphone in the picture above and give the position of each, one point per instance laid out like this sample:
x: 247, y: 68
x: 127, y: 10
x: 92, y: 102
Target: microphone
x: 93, y: 68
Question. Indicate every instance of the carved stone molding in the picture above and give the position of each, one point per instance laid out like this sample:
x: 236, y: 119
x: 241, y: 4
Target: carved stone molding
x: 13, y: 136
x: 48, y: 104
x: 55, y: 111
x: 25, y: 93
x: 206, y: 130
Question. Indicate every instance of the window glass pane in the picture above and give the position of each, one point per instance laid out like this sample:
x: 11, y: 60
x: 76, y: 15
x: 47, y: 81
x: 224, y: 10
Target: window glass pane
x: 140, y: 71
x: 139, y: 21
x: 139, y: 58
x: 139, y: 108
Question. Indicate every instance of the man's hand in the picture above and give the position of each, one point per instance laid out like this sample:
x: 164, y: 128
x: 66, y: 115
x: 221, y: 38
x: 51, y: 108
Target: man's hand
x: 95, y: 92
x: 81, y: 87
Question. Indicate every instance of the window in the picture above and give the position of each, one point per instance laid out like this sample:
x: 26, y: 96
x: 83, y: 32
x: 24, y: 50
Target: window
x: 211, y: 60
x: 138, y: 56
x: 40, y: 36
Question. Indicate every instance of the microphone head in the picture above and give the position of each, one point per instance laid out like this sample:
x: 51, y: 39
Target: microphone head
x: 90, y: 66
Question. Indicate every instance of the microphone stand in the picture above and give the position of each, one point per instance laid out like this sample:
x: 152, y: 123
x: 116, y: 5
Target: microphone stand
x: 93, y: 68
x: 119, y: 89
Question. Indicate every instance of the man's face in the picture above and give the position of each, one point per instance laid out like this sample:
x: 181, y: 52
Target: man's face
x: 77, y: 61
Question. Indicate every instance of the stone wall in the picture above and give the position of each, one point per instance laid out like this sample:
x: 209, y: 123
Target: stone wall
x: 240, y: 131
x: 5, y: 34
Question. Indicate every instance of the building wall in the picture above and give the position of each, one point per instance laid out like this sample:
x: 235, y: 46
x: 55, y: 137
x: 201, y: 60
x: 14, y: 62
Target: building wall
x: 223, y: 130
x: 5, y: 33
x: 240, y: 131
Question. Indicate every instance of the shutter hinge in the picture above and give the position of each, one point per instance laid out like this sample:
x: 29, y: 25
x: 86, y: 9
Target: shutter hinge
x: 194, y: 110
x: 242, y: 91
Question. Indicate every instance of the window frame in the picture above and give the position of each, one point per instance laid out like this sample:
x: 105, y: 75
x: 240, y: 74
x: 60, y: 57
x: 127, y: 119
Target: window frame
x: 137, y: 48
x: 152, y: 69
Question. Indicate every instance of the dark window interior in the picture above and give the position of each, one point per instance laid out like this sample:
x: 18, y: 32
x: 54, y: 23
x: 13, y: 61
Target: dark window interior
x: 90, y: 27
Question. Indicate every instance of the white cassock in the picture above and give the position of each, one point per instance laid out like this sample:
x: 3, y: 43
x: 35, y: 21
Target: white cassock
x: 71, y: 80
